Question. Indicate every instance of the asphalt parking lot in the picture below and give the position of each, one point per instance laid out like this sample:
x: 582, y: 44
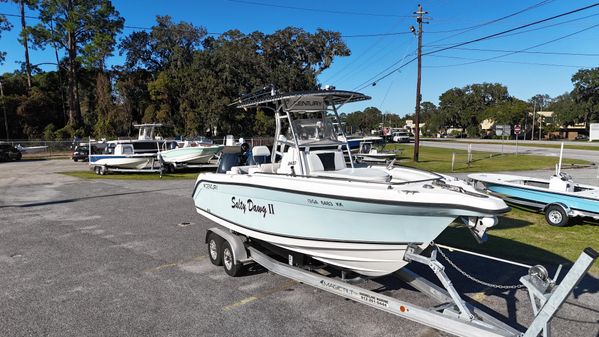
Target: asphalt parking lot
x: 117, y: 258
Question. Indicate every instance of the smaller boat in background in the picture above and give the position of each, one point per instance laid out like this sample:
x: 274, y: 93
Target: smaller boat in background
x: 191, y: 152
x: 368, y: 153
x: 121, y: 155
x: 31, y: 149
x: 560, y: 198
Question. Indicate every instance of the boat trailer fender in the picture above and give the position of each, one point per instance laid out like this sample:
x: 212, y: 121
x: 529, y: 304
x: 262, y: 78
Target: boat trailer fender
x: 239, y: 251
x: 565, y: 207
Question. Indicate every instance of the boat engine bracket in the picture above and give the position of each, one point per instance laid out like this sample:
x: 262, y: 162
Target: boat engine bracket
x: 478, y: 226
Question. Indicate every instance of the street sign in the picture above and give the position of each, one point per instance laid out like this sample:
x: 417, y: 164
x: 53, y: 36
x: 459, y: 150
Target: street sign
x: 503, y: 130
x: 517, y: 129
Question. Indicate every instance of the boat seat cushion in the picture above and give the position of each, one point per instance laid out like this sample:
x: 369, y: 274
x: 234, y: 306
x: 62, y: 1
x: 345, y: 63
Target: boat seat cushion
x: 325, y: 161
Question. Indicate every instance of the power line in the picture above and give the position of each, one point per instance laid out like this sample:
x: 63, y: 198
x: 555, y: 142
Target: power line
x: 256, y: 3
x: 528, y: 48
x: 370, y: 81
x: 499, y: 61
x: 528, y: 52
x: 513, y: 29
x: 355, y: 59
x: 124, y: 26
x: 481, y: 39
x: 539, y: 4
x: 462, y: 30
x: 525, y: 31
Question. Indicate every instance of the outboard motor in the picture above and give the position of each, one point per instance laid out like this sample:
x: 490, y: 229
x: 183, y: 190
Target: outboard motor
x: 233, y: 156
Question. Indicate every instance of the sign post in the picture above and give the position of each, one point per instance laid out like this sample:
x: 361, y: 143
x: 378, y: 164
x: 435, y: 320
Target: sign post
x: 517, y: 130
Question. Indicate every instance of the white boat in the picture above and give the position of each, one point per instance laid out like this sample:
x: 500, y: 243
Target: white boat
x: 147, y: 141
x: 121, y: 155
x: 190, y: 152
x: 307, y: 200
x: 560, y: 198
x: 369, y: 154
x: 31, y: 149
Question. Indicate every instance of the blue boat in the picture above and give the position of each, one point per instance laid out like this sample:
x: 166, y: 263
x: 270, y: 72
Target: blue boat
x: 559, y: 197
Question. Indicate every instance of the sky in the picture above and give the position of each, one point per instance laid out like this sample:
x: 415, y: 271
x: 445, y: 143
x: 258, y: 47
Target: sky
x: 544, y: 65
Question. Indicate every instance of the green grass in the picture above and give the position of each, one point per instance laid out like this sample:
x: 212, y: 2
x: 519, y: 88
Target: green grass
x: 439, y: 160
x: 132, y: 176
x: 525, y: 237
x: 549, y: 144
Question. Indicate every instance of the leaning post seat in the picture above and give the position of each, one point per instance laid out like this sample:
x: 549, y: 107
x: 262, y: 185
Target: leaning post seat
x: 328, y: 163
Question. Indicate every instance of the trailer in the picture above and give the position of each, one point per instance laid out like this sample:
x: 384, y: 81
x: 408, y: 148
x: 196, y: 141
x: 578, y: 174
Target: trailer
x: 173, y: 167
x: 155, y: 166
x: 452, y: 314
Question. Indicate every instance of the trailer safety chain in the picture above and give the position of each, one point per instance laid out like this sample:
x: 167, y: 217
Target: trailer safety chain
x: 491, y: 285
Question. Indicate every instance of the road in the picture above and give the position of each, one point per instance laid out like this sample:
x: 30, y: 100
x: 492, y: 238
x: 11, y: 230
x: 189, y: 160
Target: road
x: 127, y: 258
x: 589, y: 155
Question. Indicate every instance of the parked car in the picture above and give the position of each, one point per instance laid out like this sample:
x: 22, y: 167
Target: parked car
x: 401, y: 137
x: 81, y: 152
x: 9, y: 152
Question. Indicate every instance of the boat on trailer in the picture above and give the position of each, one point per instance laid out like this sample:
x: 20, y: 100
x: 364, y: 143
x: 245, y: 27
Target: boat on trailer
x: 190, y: 153
x: 307, y: 200
x: 289, y: 217
x: 560, y: 198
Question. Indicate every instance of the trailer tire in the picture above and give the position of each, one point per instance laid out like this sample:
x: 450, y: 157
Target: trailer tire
x: 103, y: 170
x: 215, y: 250
x: 97, y: 170
x: 556, y: 215
x: 232, y: 268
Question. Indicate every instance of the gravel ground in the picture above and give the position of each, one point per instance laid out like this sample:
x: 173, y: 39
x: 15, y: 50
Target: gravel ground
x: 112, y: 258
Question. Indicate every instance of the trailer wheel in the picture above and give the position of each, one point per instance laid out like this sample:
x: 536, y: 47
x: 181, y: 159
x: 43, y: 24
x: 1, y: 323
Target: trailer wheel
x: 556, y: 215
x: 232, y: 268
x: 103, y: 170
x: 97, y: 170
x: 215, y: 250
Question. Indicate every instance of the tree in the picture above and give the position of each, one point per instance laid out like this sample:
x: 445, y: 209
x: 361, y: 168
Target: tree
x: 86, y: 30
x: 366, y: 120
x: 566, y: 110
x: 427, y: 110
x: 5, y: 25
x: 511, y: 111
x: 586, y: 93
x: 24, y: 38
x: 465, y: 107
x: 540, y: 102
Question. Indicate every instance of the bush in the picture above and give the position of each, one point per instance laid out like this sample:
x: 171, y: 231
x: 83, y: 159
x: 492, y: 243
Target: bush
x: 49, y: 132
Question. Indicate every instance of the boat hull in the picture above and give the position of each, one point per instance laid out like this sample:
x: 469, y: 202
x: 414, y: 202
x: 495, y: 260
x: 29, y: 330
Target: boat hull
x: 191, y: 155
x: 116, y: 161
x: 364, y: 235
x: 538, y: 197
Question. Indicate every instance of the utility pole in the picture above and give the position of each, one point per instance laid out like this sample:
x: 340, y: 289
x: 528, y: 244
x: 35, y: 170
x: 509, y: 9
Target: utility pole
x: 419, y: 18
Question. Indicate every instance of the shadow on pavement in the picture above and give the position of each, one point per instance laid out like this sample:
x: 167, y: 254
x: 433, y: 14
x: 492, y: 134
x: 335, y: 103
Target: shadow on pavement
x: 64, y: 201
